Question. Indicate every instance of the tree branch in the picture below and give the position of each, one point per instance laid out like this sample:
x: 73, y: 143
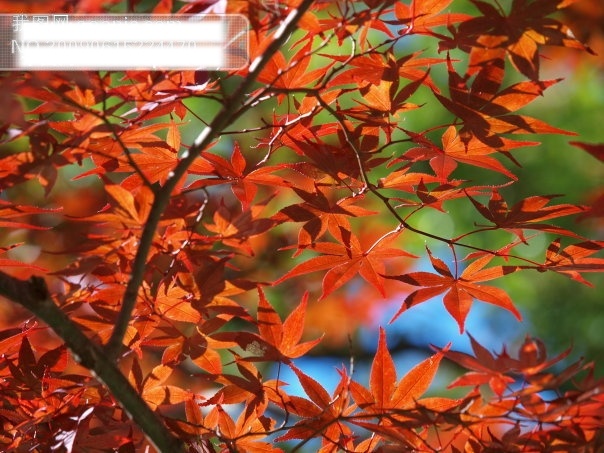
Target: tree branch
x: 229, y: 112
x: 33, y: 295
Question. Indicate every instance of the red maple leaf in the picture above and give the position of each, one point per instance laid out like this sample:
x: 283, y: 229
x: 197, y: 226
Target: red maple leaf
x: 488, y: 115
x: 459, y: 291
x: 276, y: 340
x: 385, y: 392
x: 454, y: 150
x: 244, y: 181
x: 526, y: 214
x: 424, y: 15
x: 520, y: 31
x: 346, y: 260
x: 321, y: 214
x: 498, y: 370
x: 574, y: 259
x: 322, y: 413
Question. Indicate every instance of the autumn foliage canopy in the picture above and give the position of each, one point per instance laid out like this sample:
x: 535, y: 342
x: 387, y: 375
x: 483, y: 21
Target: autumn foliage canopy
x: 171, y: 240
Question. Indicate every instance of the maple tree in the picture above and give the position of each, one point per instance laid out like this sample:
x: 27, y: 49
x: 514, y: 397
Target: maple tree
x: 147, y: 222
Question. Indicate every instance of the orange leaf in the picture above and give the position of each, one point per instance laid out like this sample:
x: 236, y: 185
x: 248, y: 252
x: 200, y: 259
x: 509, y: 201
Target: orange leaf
x: 387, y: 394
x: 459, y: 292
x: 382, y: 377
x: 282, y: 339
x: 416, y: 382
x: 345, y: 260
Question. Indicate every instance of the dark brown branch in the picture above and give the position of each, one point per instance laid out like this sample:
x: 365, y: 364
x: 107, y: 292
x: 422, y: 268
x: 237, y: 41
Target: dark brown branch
x: 33, y: 295
x: 229, y: 112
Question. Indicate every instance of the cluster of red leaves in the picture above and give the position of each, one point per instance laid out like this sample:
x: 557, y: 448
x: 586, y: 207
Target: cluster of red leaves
x: 46, y: 393
x: 333, y: 140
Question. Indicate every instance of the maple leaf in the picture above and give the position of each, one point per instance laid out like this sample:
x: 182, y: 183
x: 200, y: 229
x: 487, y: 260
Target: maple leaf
x: 246, y: 386
x: 174, y: 303
x: 82, y: 130
x: 323, y: 413
x: 436, y: 196
x: 235, y: 229
x: 405, y: 180
x: 285, y: 337
x: 247, y: 434
x: 381, y: 96
x: 373, y: 67
x: 399, y: 400
x: 574, y: 259
x: 368, y: 68
x: 243, y: 183
x: 156, y: 163
x: 10, y: 339
x: 526, y: 214
x: 42, y: 161
x: 382, y: 379
x: 74, y: 94
x: 139, y: 137
x: 345, y: 260
x: 321, y: 214
x: 337, y: 161
x: 155, y: 158
x: 279, y: 74
x: 276, y: 340
x: 488, y: 115
x: 127, y: 209
x: 361, y: 23
x: 486, y: 368
x: 155, y: 392
x: 498, y: 370
x: 454, y: 149
x: 459, y: 291
x: 531, y: 28
x: 408, y: 68
x: 421, y: 16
